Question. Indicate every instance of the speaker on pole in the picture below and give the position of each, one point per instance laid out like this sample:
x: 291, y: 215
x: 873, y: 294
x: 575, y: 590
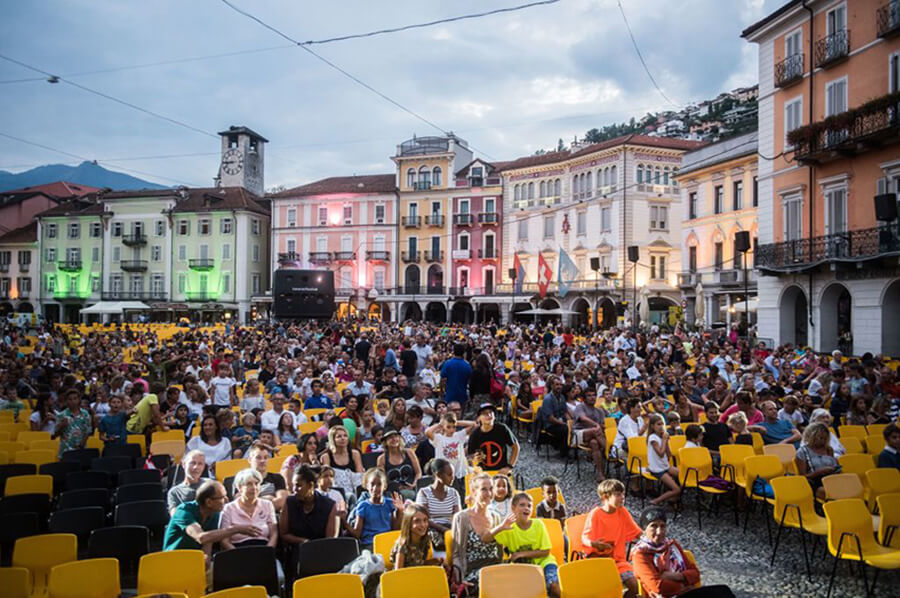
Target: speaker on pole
x: 595, y: 263
x: 742, y: 241
x: 634, y: 254
x: 886, y: 207
x: 512, y: 273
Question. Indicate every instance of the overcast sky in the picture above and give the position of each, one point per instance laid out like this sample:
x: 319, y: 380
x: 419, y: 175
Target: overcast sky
x: 509, y: 84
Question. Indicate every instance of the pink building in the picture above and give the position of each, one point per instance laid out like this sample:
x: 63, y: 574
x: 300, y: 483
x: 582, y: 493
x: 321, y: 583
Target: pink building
x: 345, y: 224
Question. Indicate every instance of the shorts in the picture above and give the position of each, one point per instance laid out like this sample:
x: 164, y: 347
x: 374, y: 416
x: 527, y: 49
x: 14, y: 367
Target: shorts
x: 659, y: 474
x: 551, y: 574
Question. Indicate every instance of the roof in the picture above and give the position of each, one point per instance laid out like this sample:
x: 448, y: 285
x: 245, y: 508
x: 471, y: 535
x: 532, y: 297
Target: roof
x: 367, y: 183
x: 717, y: 153
x: 24, y: 234
x: 233, y: 130
x: 768, y: 19
x: 219, y: 198
x: 492, y: 167
x: 58, y: 189
x: 82, y: 206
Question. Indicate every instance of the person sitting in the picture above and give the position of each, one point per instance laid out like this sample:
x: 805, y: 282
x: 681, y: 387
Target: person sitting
x: 815, y: 457
x: 501, y: 498
x: 608, y: 528
x: 890, y: 456
x: 308, y: 514
x: 248, y: 509
x: 715, y: 433
x: 550, y: 507
x: 193, y: 464
x: 661, y: 564
x: 376, y: 513
x: 590, y: 430
x: 211, y: 442
x: 244, y: 436
x: 273, y: 487
x: 658, y: 455
x: 413, y: 547
x: 737, y: 423
x: 693, y: 435
x: 400, y: 464
x: 774, y: 430
x: 473, y: 548
x: 440, y: 500
x: 528, y: 541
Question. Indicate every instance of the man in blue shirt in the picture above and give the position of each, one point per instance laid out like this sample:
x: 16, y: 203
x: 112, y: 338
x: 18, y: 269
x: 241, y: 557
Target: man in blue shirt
x: 455, y: 374
x: 552, y: 417
x: 774, y: 430
x: 317, y: 400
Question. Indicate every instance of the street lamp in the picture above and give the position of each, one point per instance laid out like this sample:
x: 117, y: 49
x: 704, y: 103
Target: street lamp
x: 742, y: 244
x: 634, y: 255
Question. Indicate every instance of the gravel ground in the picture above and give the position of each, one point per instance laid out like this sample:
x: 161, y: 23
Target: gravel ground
x: 725, y: 553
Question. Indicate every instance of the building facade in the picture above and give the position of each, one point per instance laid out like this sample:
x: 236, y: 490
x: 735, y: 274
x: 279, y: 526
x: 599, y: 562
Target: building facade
x: 718, y: 201
x: 18, y: 264
x: 828, y: 132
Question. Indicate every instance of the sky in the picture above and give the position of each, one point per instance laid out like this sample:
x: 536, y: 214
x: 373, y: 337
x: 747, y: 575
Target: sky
x: 509, y: 84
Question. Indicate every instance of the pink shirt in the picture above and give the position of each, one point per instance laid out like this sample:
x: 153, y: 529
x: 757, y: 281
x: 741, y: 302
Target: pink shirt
x: 263, y: 517
x: 754, y: 419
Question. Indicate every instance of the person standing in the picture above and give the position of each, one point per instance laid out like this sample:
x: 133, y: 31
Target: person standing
x: 73, y: 423
x: 455, y: 374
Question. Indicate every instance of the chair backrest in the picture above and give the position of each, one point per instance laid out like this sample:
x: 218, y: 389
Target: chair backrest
x: 511, y: 579
x: 41, y: 553
x: 557, y: 541
x: 415, y: 582
x: 344, y: 585
x: 83, y: 456
x: 12, y: 527
x: 857, y: 463
x: 16, y: 582
x: 793, y: 490
x: 26, y: 503
x: 889, y: 523
x: 35, y: 457
x: 174, y: 448
x: 876, y: 429
x: 842, y: 485
x: 848, y: 430
x: 574, y: 527
x: 637, y: 453
x: 874, y: 444
x: 136, y: 492
x: 242, y: 592
x: 733, y: 455
x: 325, y: 555
x: 149, y: 513
x: 81, y: 521
x: 44, y: 445
x: 173, y: 571
x: 139, y: 476
x: 230, y: 467
x: 785, y: 452
x: 882, y: 480
x: 849, y: 515
x: 695, y: 465
x: 88, y: 497
x: 590, y: 578
x: 250, y: 565
x: 27, y: 436
x: 167, y: 435
x: 112, y: 465
x: 131, y: 451
x: 852, y: 444
x: 29, y: 484
x: 383, y: 543
x: 81, y: 480
x: 676, y: 443
x: 764, y: 467
x: 70, y: 580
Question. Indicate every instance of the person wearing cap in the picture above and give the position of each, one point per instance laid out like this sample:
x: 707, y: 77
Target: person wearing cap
x: 660, y: 563
x: 493, y: 446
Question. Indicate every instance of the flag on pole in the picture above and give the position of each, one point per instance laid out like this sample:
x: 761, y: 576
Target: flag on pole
x: 520, y: 274
x: 568, y: 272
x: 544, y: 275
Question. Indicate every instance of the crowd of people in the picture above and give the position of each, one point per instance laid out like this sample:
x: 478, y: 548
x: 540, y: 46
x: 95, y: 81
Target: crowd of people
x: 417, y: 428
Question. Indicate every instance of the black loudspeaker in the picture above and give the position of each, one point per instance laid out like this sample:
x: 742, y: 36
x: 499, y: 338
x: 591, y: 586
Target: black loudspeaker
x: 512, y: 273
x: 595, y: 263
x: 634, y: 254
x: 886, y: 207
x: 303, y: 294
x: 742, y: 241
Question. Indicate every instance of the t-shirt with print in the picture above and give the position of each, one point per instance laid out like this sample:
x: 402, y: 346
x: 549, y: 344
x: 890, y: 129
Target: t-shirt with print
x: 222, y: 390
x: 495, y: 444
x: 535, y: 537
x: 453, y: 449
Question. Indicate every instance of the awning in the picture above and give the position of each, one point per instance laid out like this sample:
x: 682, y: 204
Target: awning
x: 115, y: 307
x: 739, y: 306
x: 539, y: 311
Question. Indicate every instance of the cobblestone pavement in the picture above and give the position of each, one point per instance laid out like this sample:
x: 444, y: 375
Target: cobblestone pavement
x: 724, y: 552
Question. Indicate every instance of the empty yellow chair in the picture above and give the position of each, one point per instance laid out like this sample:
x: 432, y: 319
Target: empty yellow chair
x: 882, y: 480
x: 286, y: 450
x: 732, y: 462
x: 876, y: 430
x: 557, y: 541
x: 415, y: 582
x: 344, y: 585
x: 874, y: 444
x: 853, y: 444
x: 761, y: 467
x: 696, y: 466
x: 16, y: 582
x: 173, y: 448
x: 795, y: 508
x: 785, y: 452
x: 574, y: 527
x: 848, y: 430
x: 511, y: 579
x: 36, y: 458
x: 247, y: 592
x: 173, y: 571
x: 889, y: 522
x: 842, y: 486
x: 27, y: 436
x: 676, y: 443
x: 383, y: 543
x: 44, y: 445
x: 308, y: 427
x: 91, y: 578
x: 637, y: 462
x: 29, y: 484
x: 4, y: 458
x: 11, y: 447
x: 167, y: 435
x: 41, y: 553
x: 590, y: 578
x: 312, y: 414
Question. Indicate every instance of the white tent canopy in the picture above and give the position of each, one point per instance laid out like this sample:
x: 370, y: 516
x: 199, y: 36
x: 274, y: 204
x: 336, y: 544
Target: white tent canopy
x: 739, y: 305
x: 115, y: 307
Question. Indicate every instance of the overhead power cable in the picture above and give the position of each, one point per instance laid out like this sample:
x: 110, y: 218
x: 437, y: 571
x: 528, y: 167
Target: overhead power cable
x: 641, y: 57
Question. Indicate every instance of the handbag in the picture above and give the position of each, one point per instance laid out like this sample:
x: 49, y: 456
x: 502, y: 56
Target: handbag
x: 496, y: 389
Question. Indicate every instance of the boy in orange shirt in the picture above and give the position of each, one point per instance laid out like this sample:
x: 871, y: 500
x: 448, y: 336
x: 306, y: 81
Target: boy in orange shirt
x: 608, y: 530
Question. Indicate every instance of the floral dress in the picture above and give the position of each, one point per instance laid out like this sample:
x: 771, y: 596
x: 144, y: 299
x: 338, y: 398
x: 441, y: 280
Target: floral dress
x: 77, y: 432
x: 479, y: 554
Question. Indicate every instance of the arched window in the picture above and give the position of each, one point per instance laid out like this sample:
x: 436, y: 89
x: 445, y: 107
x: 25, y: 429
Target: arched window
x: 605, y: 178
x: 657, y: 175
x: 543, y: 188
x: 516, y: 193
x: 666, y: 176
x: 589, y: 184
x: 674, y: 175
x: 576, y: 185
x: 436, y: 176
x: 557, y: 188
x: 530, y: 190
x: 613, y: 176
x: 410, y: 177
x: 640, y: 173
x: 424, y: 177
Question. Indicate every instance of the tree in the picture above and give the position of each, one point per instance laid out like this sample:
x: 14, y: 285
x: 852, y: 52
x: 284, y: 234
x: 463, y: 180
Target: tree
x: 593, y: 136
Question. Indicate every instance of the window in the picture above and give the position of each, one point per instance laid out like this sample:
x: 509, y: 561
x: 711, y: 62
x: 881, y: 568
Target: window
x: 793, y: 117
x: 737, y: 196
x: 204, y: 252
x: 50, y: 254
x: 692, y: 259
x: 755, y: 192
x: 517, y: 193
x: 588, y: 185
x: 323, y: 215
x: 51, y: 231
x: 226, y: 283
x: 549, y: 226
x: 292, y: 246
x: 436, y: 176
x: 720, y: 200
x: 24, y: 286
x: 463, y: 242
x: 254, y: 226
x: 411, y: 177
x: 346, y: 243
x: 424, y: 178
x: 25, y: 258
x: 5, y: 257
x: 835, y: 210
x: 254, y: 283
x: 156, y: 253
x: 581, y: 223
x: 489, y: 205
x: 894, y: 73
x: 160, y: 228
x: 182, y: 283
x: 659, y: 218
x: 793, y: 218
x: 557, y: 188
x: 256, y: 253
x: 292, y: 217
x: 606, y: 219
x: 379, y: 214
x: 348, y: 214
x: 51, y: 283
x: 692, y: 205
x: 96, y: 230
x: 530, y: 190
x: 117, y: 229
x: 523, y: 230
x: 226, y: 251
x: 204, y: 226
x: 735, y: 256
x: 543, y: 191
x: 658, y: 267
x: 792, y: 43
x: 227, y: 226
x: 613, y: 176
x: 604, y: 263
x: 464, y: 206
x: 836, y: 20
x: 719, y: 256
x: 95, y: 255
x: 666, y: 176
x: 157, y: 284
x: 378, y: 278
x: 95, y: 284
x: 182, y: 252
x: 640, y: 173
x: 73, y: 254
x: 412, y: 211
x: 836, y: 97
x: 576, y: 186
x: 378, y: 242
x: 184, y: 227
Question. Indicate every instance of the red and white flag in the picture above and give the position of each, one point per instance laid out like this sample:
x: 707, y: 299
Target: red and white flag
x: 544, y: 275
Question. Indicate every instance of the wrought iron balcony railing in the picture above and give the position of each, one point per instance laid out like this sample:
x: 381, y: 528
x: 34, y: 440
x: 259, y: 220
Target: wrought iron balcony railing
x: 462, y: 219
x: 851, y: 246
x: 489, y: 218
x: 319, y: 257
x: 411, y: 221
x: 410, y: 256
x: 789, y: 70
x: 378, y: 256
x: 133, y: 295
x: 134, y: 265
x: 345, y: 256
x: 434, y: 256
x: 135, y: 240
x: 202, y: 264
x: 434, y: 220
x: 832, y: 48
x: 69, y: 265
x: 888, y: 19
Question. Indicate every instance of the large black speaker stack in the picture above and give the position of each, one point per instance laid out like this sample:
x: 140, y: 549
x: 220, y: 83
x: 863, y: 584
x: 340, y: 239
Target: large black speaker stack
x: 303, y: 294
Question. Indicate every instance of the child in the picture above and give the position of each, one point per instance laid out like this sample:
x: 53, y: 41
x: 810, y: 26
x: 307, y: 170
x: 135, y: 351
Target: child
x: 890, y: 456
x: 500, y: 501
x: 382, y: 408
x: 222, y: 387
x: 253, y: 398
x: 737, y: 423
x: 112, y: 425
x: 450, y: 444
x: 694, y: 436
x: 550, y: 507
x: 674, y: 424
x: 791, y: 412
x: 376, y: 513
x: 244, y: 436
x: 428, y: 375
x: 658, y: 455
x: 326, y: 486
x: 527, y: 541
x: 413, y: 546
x: 715, y: 433
x: 376, y: 446
x: 609, y: 528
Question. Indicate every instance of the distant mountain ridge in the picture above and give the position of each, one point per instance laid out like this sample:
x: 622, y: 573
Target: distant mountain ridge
x: 86, y: 173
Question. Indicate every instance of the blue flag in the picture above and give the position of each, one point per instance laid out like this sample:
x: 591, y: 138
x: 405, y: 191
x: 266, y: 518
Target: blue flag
x: 568, y: 272
x: 520, y: 274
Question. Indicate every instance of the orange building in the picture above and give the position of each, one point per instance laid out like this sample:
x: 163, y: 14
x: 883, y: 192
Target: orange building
x: 829, y: 123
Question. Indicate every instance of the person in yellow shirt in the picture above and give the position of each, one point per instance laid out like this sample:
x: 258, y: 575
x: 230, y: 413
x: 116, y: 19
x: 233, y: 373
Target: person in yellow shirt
x: 146, y: 416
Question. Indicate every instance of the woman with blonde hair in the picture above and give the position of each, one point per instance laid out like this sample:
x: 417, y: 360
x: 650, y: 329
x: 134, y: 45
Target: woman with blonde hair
x: 344, y: 459
x: 252, y: 396
x: 400, y: 464
x: 815, y: 458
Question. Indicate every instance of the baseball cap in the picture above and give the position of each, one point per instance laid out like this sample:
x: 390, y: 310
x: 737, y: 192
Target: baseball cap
x: 486, y: 407
x: 651, y: 514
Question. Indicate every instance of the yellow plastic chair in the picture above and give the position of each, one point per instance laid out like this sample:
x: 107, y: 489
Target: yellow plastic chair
x: 757, y: 442
x: 30, y: 436
x: 785, y: 452
x: 732, y: 458
x: 4, y: 458
x: 308, y: 427
x: 383, y: 543
x: 874, y: 444
x: 557, y: 541
x: 853, y: 444
x: 41, y: 553
x: 29, y: 484
x: 141, y: 441
x: 590, y: 578
x: 36, y: 458
x: 91, y: 578
x: 511, y: 579
x: 448, y: 544
x: 286, y: 450
x: 415, y: 582
x: 872, y: 429
x: 850, y: 537
x: 11, y: 447
x: 676, y: 443
x: 638, y: 464
x: 163, y: 595
x: 16, y: 582
x: 173, y: 571
x: 4, y: 436
x: 14, y: 429
x: 795, y: 508
x: 44, y: 445
x: 173, y: 448
x: 311, y: 414
x: 858, y: 464
x: 848, y: 430
x: 764, y: 467
x: 167, y: 435
x: 842, y: 486
x: 93, y: 442
x: 882, y: 480
x: 245, y: 592
x: 889, y: 507
x: 696, y: 466
x: 537, y: 495
x: 574, y: 527
x: 344, y: 585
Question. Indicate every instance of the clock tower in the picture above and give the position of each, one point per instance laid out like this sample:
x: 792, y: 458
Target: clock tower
x: 242, y: 160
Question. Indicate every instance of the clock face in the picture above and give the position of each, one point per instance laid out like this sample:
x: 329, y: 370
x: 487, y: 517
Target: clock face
x: 232, y: 161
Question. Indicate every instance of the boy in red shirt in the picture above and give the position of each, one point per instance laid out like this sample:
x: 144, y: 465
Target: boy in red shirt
x: 608, y: 530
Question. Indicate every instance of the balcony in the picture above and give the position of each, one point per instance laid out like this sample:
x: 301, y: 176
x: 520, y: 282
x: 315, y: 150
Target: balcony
x: 851, y: 247
x: 832, y: 48
x: 489, y: 218
x: 461, y: 254
x: 421, y: 185
x: 410, y: 256
x: 288, y: 257
x: 378, y: 256
x: 462, y: 219
x: 888, y: 19
x: 688, y: 280
x: 434, y: 256
x: 729, y: 277
x: 319, y: 257
x: 4, y: 268
x: 871, y: 125
x: 789, y: 70
x: 203, y: 264
x: 133, y: 296
x: 490, y: 253
x: 24, y: 267
x: 461, y: 291
x: 201, y: 296
x: 344, y: 292
x: 435, y: 220
x: 70, y: 295
x: 344, y: 256
x: 411, y: 221
x: 69, y: 265
x: 133, y: 265
x: 136, y: 240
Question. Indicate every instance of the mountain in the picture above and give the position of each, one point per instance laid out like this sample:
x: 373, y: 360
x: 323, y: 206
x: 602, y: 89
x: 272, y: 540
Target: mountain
x: 86, y: 173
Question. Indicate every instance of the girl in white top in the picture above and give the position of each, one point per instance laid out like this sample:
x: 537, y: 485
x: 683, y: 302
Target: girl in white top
x: 658, y: 458
x: 210, y: 442
x: 631, y: 425
x: 501, y: 501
